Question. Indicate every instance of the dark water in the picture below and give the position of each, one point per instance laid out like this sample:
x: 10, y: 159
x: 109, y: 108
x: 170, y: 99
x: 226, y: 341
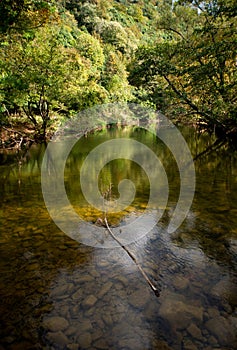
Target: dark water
x: 57, y: 293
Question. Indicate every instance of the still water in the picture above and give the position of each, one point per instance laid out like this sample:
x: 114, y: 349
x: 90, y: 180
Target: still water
x: 57, y: 293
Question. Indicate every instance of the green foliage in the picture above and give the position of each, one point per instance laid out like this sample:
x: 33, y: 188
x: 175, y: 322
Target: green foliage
x: 195, y: 69
x: 57, y: 58
x: 23, y: 15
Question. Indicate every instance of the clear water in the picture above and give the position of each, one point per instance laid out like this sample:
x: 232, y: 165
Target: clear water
x: 59, y: 294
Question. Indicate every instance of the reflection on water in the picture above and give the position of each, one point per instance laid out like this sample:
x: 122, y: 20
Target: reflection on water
x: 59, y: 294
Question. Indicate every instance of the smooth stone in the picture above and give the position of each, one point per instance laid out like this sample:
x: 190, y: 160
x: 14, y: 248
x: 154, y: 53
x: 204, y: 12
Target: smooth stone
x: 226, y: 289
x: 160, y: 345
x: 97, y: 334
x: 55, y: 323
x: 103, y: 263
x: 57, y: 338
x: 33, y: 267
x: 71, y: 330
x: 180, y: 282
x: 89, y: 312
x: 122, y: 328
x: 122, y: 279
x: 233, y: 320
x: 89, y: 301
x: 213, y: 312
x: 131, y: 343
x: 106, y: 287
x: 84, y: 340
x: 77, y: 295
x: 222, y: 329
x: 63, y: 310
x: 195, y: 332
x: 101, y: 344
x: 85, y: 326
x: 107, y: 319
x: 94, y: 273
x: 85, y: 278
x: 73, y: 346
x: 61, y: 290
x: 212, y: 340
x: 139, y: 298
x: 188, y: 345
x: 118, y: 286
x: 179, y: 312
x: 28, y: 255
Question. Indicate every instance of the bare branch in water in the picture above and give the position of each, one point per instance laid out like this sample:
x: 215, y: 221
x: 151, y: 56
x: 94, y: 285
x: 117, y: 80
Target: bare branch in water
x: 154, y: 289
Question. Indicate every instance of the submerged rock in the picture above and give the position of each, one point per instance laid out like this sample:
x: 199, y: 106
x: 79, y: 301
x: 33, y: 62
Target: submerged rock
x: 55, y: 323
x: 89, y: 301
x: 180, y: 282
x: 73, y: 346
x: 227, y: 290
x: 223, y: 330
x: 101, y: 344
x: 106, y: 287
x: 84, y: 340
x: 195, y: 332
x: 131, y: 343
x: 57, y: 339
x: 139, y: 298
x: 179, y: 312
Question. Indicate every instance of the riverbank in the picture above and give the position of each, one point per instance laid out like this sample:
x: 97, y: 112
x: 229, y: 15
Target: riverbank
x: 16, y: 136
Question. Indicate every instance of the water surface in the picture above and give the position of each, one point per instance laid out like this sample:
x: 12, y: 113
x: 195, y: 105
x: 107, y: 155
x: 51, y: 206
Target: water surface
x: 57, y: 293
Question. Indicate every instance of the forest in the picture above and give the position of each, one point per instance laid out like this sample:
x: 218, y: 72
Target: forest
x: 60, y: 57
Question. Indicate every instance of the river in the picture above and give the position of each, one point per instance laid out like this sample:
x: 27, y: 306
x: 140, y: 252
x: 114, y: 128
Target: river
x: 60, y: 293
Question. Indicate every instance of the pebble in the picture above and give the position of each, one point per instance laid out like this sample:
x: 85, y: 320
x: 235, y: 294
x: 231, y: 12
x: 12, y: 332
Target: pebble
x: 73, y: 346
x: 33, y: 267
x: 57, y: 338
x: 77, y: 295
x: 84, y: 340
x: 89, y: 301
x: 188, y: 345
x: 222, y: 329
x: 139, y: 298
x: 86, y: 325
x: 106, y: 287
x: 85, y: 278
x: 226, y: 289
x: 97, y: 334
x: 180, y: 282
x: 60, y: 290
x: 195, y: 332
x: 178, y: 311
x: 122, y: 279
x: 107, y: 319
x: 101, y: 344
x: 71, y: 330
x: 55, y: 323
x: 131, y: 343
x: 160, y: 345
x: 213, y: 312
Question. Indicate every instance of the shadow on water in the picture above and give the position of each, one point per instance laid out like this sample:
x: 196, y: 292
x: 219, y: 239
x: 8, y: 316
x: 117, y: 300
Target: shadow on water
x: 59, y: 294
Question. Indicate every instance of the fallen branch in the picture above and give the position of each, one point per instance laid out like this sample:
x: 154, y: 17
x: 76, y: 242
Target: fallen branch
x: 154, y: 289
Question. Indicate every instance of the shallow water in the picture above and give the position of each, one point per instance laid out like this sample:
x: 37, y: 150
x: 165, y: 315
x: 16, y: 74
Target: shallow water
x: 57, y: 293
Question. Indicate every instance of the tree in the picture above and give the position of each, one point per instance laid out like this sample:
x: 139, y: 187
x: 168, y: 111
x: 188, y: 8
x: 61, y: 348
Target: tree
x: 23, y: 15
x: 52, y: 71
x: 196, y: 69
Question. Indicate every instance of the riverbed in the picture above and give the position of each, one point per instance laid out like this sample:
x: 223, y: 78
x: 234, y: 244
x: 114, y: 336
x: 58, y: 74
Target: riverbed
x: 59, y: 293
